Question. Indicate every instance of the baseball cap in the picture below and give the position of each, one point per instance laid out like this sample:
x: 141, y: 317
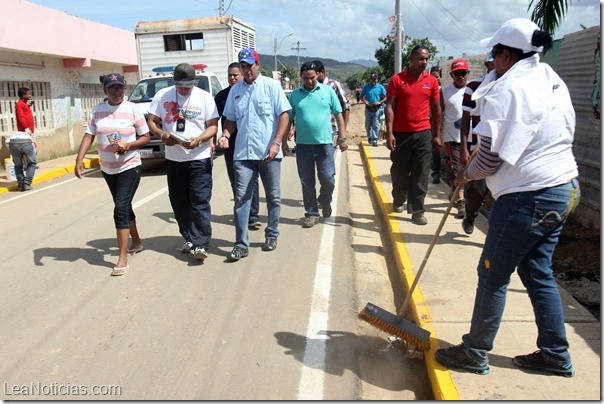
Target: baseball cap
x: 515, y: 33
x: 459, y: 64
x: 184, y: 75
x: 249, y: 56
x: 113, y: 78
x: 374, y: 76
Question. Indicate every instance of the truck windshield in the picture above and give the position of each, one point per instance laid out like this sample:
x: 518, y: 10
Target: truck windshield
x: 146, y: 89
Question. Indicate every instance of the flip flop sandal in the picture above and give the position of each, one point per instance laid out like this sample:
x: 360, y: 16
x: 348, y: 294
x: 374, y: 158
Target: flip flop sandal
x: 119, y: 271
x: 133, y: 251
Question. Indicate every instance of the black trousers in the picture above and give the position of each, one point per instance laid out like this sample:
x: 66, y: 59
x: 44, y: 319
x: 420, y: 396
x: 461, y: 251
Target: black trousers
x: 410, y: 170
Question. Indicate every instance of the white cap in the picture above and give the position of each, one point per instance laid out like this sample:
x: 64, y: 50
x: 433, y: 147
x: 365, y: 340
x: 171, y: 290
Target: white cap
x: 515, y: 33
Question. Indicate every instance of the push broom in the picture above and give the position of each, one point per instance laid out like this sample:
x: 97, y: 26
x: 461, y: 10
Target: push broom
x: 395, y: 324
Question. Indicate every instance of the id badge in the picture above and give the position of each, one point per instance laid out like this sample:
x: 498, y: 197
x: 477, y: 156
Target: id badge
x: 180, y: 124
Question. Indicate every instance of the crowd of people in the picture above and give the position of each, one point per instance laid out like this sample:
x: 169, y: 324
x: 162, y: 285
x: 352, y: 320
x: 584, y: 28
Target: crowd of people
x: 518, y: 117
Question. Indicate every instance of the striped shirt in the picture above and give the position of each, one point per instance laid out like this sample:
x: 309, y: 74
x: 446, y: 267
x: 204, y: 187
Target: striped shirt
x: 337, y: 87
x: 125, y: 119
x: 468, y: 104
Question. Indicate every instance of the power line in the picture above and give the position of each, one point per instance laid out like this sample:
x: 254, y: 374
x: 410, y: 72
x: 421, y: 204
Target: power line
x: 433, y: 26
x: 477, y: 36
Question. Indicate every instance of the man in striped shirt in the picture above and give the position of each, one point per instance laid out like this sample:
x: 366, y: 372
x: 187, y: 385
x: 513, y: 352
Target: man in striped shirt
x: 475, y: 191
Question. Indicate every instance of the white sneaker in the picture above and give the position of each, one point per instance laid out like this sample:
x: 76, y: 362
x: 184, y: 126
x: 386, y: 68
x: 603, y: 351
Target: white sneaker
x: 200, y: 253
x: 187, y: 248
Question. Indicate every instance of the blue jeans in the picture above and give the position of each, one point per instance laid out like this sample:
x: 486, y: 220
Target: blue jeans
x: 245, y: 173
x: 372, y: 124
x: 123, y: 186
x: 321, y: 156
x: 255, y: 207
x: 19, y: 149
x: 523, y: 232
x: 190, y: 189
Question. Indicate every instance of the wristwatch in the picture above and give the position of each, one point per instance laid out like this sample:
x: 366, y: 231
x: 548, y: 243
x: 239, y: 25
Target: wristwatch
x: 342, y: 139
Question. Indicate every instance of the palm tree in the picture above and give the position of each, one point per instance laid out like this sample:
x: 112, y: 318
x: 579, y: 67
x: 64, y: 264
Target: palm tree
x: 548, y: 13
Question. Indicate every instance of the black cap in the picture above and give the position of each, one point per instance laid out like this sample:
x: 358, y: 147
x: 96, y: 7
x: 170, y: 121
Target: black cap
x: 374, y: 76
x: 113, y: 78
x: 184, y: 75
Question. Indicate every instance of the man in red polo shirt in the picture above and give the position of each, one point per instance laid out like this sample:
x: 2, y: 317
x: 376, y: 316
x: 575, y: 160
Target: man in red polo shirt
x: 412, y: 95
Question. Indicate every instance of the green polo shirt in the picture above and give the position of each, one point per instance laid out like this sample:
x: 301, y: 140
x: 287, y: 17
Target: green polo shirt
x: 312, y: 111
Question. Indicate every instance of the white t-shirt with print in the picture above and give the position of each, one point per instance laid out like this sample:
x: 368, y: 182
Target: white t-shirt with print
x: 197, y: 108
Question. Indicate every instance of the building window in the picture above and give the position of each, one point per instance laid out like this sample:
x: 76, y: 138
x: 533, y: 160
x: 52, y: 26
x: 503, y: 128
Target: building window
x: 183, y: 42
x: 92, y: 94
x: 41, y: 105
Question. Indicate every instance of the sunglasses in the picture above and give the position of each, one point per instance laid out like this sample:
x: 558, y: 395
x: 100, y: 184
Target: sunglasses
x: 495, y: 52
x: 308, y: 66
x: 460, y: 73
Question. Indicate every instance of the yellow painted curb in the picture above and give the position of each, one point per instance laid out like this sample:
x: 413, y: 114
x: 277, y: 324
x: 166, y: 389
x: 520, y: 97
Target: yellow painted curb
x: 443, y: 386
x: 54, y: 173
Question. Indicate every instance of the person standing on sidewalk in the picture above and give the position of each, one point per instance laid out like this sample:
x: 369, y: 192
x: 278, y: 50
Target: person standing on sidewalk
x: 234, y: 77
x: 313, y: 105
x: 525, y: 153
x: 116, y: 123
x: 475, y: 191
x: 373, y: 96
x: 258, y: 109
x: 344, y: 103
x: 411, y: 135
x: 436, y: 71
x: 189, y: 112
x: 451, y: 97
x: 23, y: 153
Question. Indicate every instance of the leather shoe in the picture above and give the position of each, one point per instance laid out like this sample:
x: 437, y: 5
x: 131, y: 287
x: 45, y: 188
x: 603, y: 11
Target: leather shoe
x: 238, y: 253
x: 468, y: 225
x: 270, y: 244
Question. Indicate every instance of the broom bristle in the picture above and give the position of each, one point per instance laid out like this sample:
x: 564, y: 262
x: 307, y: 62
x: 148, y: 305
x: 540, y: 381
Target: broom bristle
x: 391, y: 324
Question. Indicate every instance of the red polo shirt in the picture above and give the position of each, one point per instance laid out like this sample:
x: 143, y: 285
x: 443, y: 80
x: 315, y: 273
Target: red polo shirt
x: 412, y: 112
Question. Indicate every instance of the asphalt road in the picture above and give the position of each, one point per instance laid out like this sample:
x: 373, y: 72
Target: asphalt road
x: 277, y: 325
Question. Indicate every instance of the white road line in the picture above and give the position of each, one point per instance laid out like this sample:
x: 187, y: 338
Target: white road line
x: 149, y: 198
x: 313, y: 371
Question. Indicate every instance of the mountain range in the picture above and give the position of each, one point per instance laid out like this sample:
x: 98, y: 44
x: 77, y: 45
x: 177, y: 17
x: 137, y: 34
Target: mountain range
x: 335, y: 69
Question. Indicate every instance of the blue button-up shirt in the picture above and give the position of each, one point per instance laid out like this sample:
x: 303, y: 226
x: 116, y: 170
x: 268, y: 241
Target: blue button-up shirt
x: 255, y: 108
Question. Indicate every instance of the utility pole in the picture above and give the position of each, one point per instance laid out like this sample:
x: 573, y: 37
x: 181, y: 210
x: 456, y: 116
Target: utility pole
x: 298, y: 49
x: 398, y: 43
x: 220, y: 8
x: 276, y: 47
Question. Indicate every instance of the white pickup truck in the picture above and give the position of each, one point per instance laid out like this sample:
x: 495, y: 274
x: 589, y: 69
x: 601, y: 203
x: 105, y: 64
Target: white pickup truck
x: 147, y: 88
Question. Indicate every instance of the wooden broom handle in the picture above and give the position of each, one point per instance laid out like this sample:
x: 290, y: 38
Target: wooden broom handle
x: 433, y: 242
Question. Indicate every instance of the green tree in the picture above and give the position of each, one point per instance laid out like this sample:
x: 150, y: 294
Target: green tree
x: 548, y: 13
x: 385, y: 54
x: 291, y: 72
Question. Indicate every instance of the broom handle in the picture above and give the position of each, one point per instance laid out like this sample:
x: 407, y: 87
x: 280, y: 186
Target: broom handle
x: 401, y: 312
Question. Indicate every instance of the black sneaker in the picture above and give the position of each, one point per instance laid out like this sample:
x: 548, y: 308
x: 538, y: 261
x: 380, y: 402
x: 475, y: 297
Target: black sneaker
x: 270, y: 244
x: 436, y: 178
x: 456, y: 357
x: 326, y: 210
x: 238, y: 253
x: 537, y: 361
x: 468, y: 225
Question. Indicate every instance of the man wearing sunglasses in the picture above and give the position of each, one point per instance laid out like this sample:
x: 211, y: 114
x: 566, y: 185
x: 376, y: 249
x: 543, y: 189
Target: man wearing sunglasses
x: 451, y: 97
x: 313, y: 104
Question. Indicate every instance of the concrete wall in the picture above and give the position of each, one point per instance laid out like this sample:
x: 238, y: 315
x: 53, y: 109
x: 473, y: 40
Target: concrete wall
x: 67, y: 52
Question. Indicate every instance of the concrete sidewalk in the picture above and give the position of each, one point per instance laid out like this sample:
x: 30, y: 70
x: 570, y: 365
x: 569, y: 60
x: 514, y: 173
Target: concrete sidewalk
x: 443, y: 302
x: 50, y: 169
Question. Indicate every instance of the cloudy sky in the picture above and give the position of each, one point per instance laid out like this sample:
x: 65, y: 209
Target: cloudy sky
x: 340, y: 29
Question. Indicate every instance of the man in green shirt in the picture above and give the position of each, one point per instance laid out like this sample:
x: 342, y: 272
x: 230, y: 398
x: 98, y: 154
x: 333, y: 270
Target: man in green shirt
x: 312, y: 105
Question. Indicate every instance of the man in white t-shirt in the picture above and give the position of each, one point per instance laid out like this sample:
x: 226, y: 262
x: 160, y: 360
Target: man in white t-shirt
x: 187, y: 112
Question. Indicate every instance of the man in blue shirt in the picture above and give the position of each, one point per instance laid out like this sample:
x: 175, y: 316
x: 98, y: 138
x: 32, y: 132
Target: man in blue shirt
x: 258, y: 109
x: 312, y: 106
x: 373, y: 96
